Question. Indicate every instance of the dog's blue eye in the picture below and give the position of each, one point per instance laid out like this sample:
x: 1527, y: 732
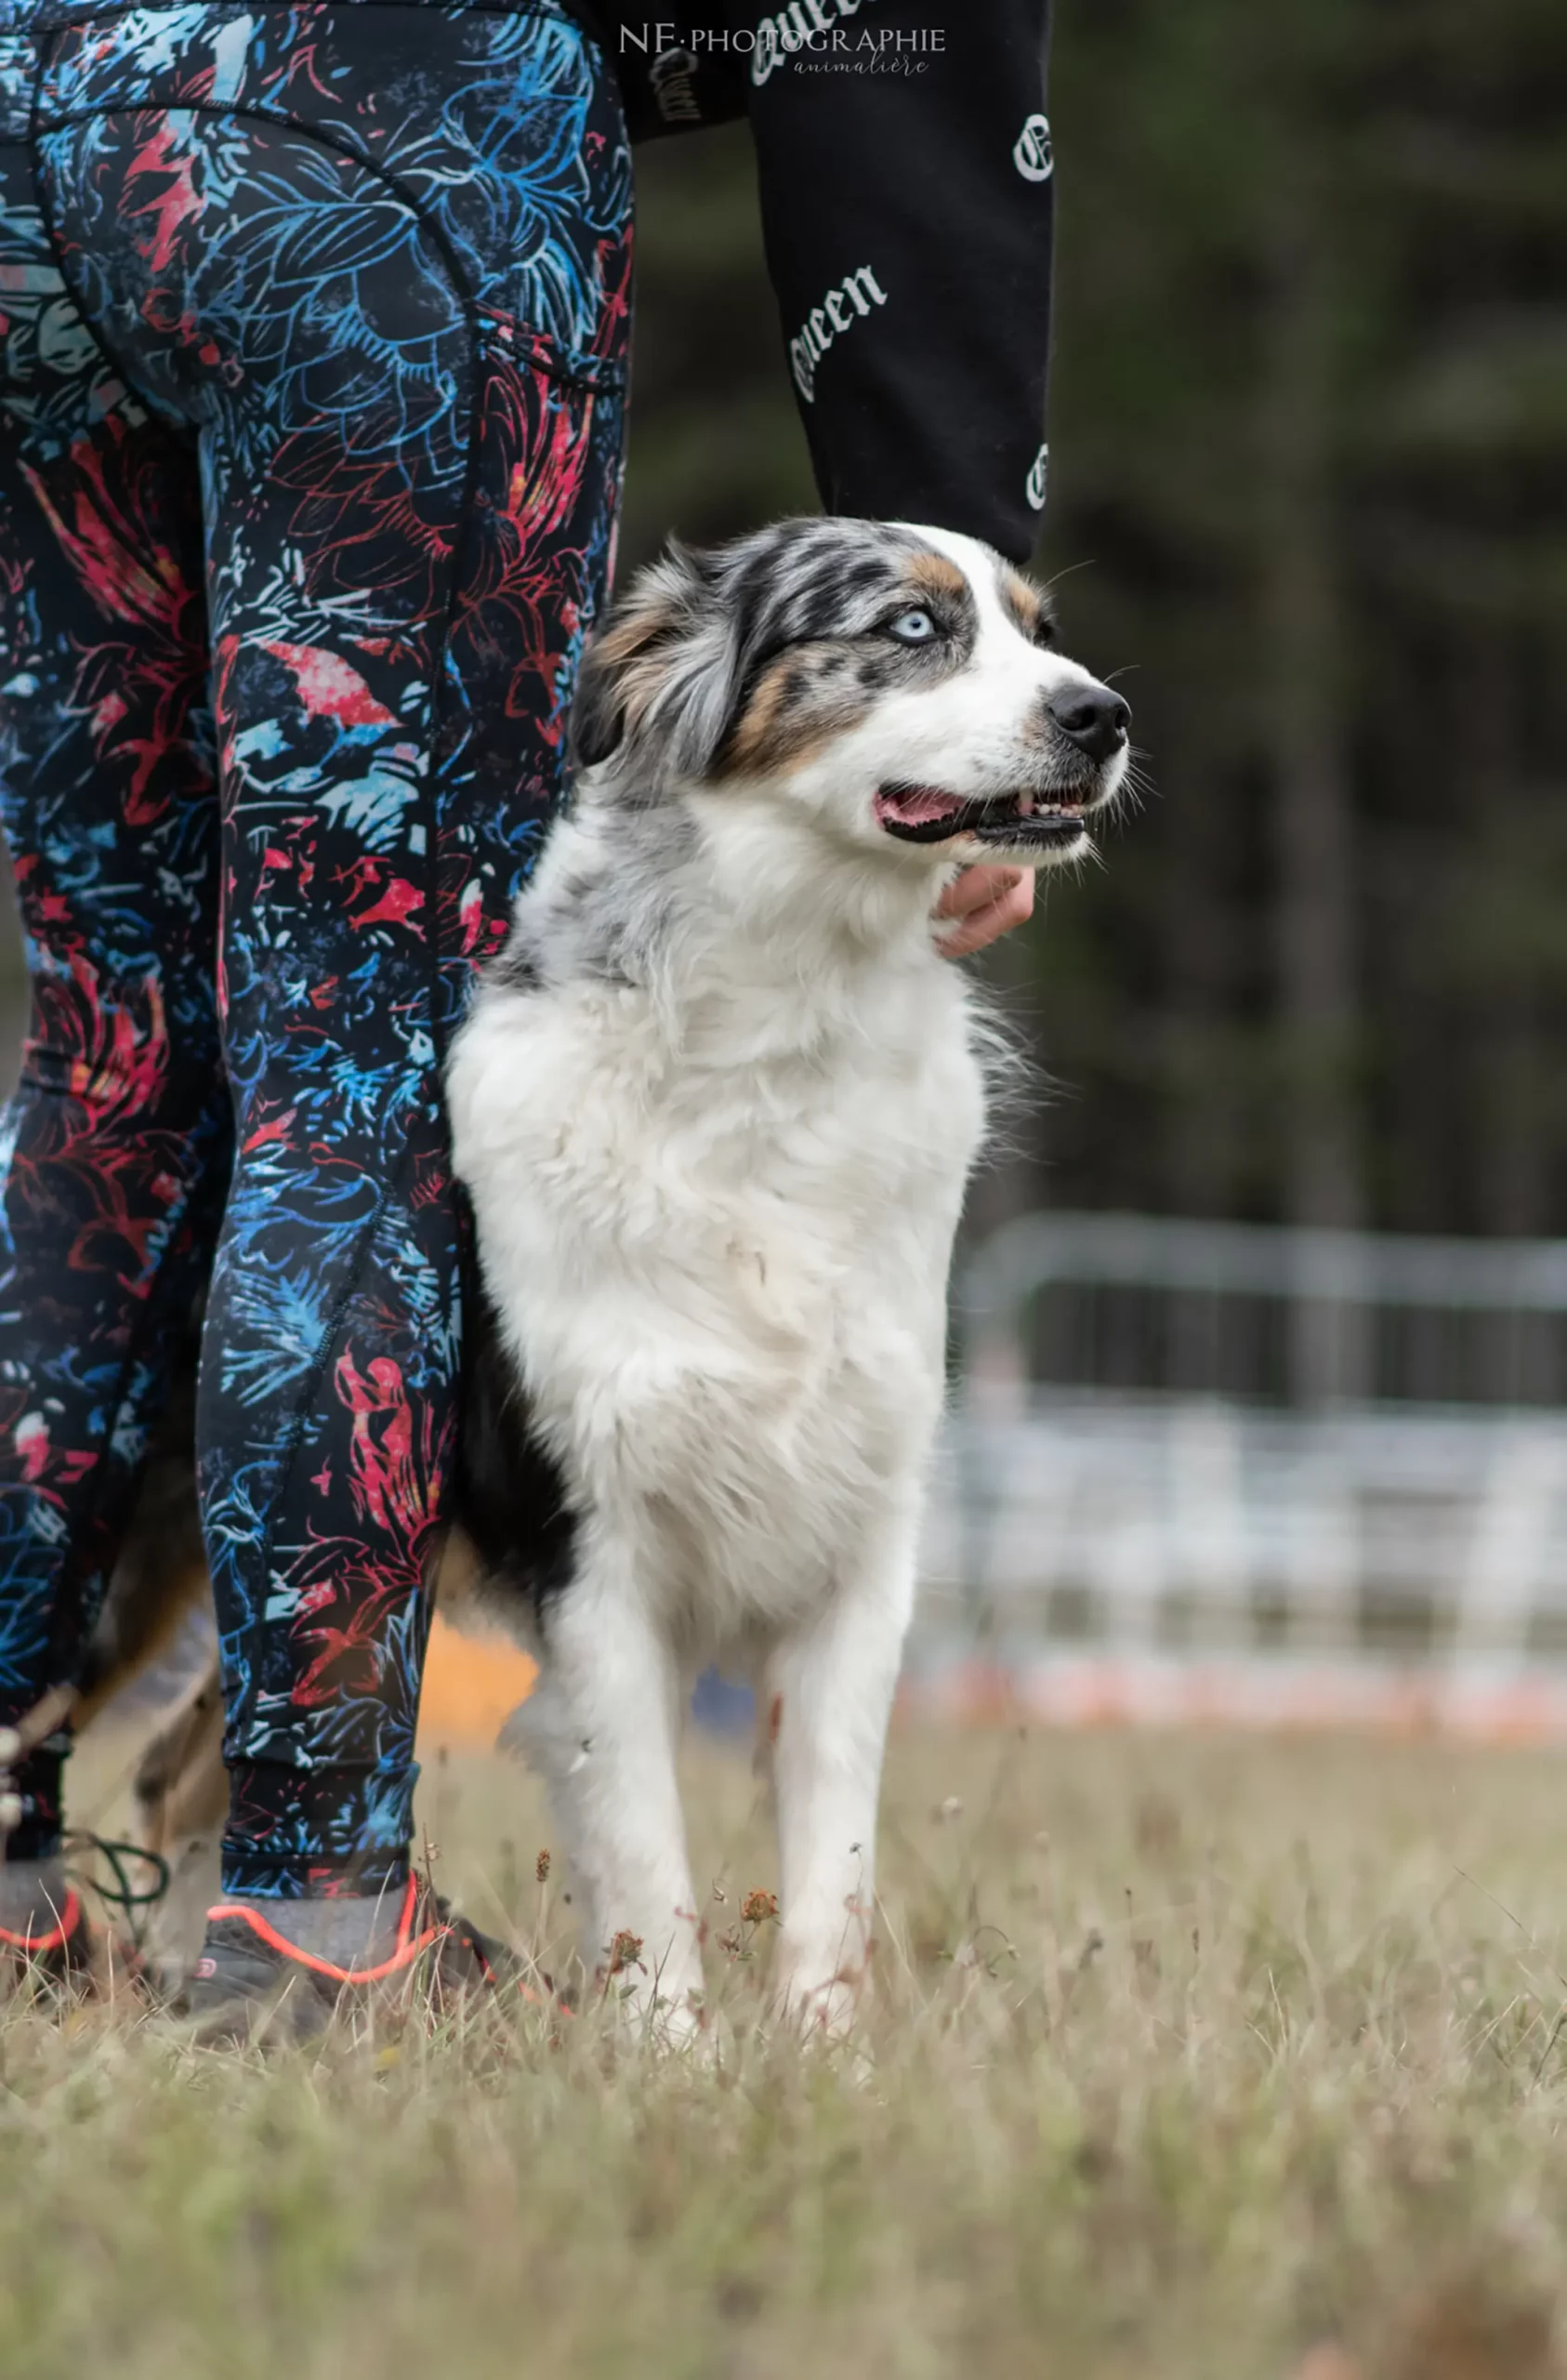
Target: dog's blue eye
x: 912, y: 627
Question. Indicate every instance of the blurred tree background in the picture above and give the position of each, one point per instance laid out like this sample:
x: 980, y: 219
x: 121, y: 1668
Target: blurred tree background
x: 1309, y: 493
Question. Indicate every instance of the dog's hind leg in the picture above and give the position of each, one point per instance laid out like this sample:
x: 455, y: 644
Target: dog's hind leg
x: 181, y: 1799
x: 601, y: 1728
x: 830, y: 1685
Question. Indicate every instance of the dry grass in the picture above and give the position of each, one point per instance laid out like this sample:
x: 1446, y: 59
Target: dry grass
x: 1201, y: 2059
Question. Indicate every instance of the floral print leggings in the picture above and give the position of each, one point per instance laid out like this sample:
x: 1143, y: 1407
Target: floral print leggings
x: 313, y: 336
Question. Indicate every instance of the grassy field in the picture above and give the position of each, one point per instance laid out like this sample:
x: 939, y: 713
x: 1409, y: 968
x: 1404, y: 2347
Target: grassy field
x: 1199, y: 2058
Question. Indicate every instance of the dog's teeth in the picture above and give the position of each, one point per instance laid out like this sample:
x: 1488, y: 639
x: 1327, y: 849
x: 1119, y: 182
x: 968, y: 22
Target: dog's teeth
x: 1025, y: 805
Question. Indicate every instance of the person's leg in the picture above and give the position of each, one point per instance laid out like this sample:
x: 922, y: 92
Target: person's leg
x: 378, y: 254
x: 113, y: 1149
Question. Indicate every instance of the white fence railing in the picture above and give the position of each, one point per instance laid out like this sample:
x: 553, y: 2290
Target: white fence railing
x: 1296, y: 1547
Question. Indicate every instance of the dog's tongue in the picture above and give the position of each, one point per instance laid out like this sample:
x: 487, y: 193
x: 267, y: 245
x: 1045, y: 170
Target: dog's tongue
x: 916, y: 805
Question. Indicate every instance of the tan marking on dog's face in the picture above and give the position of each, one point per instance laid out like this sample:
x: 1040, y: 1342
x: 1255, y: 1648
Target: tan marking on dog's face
x: 1020, y: 601
x: 936, y: 577
x: 1024, y: 604
x: 750, y: 738
x: 800, y: 703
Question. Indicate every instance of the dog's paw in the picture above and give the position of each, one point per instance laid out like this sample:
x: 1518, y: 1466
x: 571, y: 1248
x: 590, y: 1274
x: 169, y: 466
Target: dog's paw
x: 650, y: 2020
x: 821, y: 2007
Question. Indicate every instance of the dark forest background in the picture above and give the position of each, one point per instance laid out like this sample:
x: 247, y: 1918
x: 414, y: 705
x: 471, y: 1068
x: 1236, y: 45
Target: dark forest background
x: 1309, y: 493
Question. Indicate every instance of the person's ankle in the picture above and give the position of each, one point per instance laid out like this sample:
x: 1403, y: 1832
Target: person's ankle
x: 347, y: 1929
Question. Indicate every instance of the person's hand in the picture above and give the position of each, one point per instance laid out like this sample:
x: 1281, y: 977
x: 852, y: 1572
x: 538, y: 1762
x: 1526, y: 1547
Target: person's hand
x: 989, y: 901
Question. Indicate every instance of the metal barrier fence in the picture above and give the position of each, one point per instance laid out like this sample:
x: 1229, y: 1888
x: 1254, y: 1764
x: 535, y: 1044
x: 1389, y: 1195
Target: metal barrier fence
x: 1210, y: 1469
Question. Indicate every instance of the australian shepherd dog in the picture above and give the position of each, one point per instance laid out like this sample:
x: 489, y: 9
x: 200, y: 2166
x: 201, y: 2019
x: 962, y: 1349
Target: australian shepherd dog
x: 715, y: 1104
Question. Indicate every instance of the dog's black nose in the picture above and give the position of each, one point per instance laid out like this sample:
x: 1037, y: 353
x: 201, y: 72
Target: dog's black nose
x: 1092, y: 717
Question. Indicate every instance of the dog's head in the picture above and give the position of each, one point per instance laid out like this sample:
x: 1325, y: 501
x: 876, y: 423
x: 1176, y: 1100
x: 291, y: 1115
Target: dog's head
x: 898, y: 686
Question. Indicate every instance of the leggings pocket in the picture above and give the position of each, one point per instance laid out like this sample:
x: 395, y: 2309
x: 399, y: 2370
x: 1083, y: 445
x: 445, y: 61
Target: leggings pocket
x: 547, y: 458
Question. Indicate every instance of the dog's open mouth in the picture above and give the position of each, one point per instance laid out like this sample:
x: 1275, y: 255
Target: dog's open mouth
x: 923, y: 814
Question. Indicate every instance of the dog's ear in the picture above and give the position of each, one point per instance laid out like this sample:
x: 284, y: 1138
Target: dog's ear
x: 659, y: 677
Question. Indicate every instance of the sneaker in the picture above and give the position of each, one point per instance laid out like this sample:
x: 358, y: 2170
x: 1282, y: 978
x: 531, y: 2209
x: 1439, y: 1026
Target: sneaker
x: 250, y: 1979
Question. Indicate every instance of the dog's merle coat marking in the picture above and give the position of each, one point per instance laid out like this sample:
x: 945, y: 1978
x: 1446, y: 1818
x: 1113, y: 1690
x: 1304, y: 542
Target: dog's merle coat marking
x: 714, y: 1106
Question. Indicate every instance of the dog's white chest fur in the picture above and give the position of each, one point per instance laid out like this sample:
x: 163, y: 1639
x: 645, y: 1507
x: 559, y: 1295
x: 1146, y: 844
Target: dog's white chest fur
x: 717, y: 1218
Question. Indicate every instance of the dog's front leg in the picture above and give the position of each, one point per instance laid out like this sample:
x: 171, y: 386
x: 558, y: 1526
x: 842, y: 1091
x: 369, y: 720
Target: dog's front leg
x: 830, y: 1684
x: 603, y: 1726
